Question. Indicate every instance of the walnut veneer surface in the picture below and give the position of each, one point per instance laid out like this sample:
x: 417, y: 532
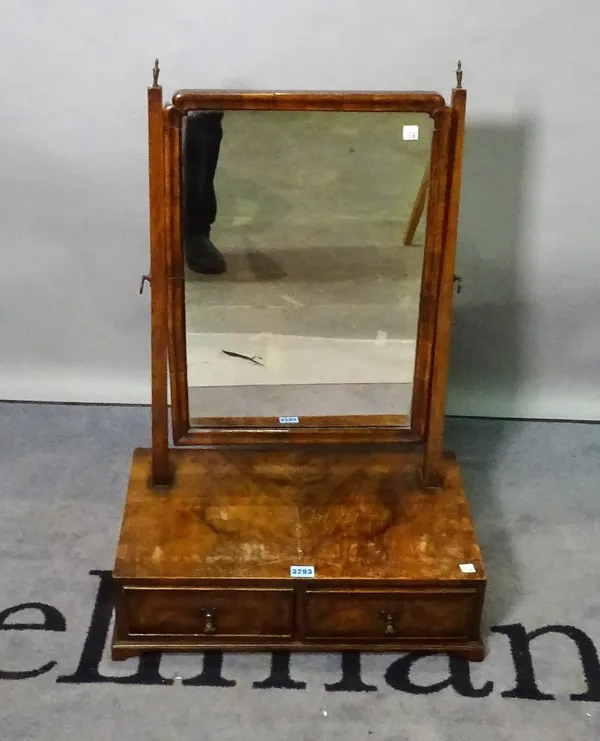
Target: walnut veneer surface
x: 205, y: 562
x: 252, y: 514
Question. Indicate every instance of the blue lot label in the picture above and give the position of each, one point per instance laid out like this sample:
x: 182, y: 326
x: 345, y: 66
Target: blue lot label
x: 302, y: 571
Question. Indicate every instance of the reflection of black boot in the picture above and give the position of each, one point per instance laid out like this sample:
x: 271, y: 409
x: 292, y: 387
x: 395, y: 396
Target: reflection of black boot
x: 201, y: 144
x: 202, y: 256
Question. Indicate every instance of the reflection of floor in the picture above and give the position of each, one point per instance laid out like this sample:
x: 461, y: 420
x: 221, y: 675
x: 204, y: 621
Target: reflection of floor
x: 298, y: 401
x: 296, y: 360
x: 319, y: 285
x: 313, y: 317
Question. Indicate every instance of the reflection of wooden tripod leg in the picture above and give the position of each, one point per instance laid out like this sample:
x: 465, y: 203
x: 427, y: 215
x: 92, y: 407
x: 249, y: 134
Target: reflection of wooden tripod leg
x: 417, y: 210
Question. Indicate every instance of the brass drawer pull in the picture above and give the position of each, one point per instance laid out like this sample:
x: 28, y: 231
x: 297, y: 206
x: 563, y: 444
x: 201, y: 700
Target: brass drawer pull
x: 388, y: 616
x: 209, y: 620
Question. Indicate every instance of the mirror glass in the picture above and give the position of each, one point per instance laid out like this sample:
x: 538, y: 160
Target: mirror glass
x: 302, y: 272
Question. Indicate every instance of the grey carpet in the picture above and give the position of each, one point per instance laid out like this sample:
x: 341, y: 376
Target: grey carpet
x: 534, y: 492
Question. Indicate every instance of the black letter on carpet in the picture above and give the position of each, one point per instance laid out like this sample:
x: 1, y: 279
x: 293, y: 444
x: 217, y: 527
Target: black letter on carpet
x: 398, y: 677
x: 88, y: 672
x: 53, y: 620
x: 526, y: 687
x: 279, y: 678
x: 351, y: 680
x: 212, y: 672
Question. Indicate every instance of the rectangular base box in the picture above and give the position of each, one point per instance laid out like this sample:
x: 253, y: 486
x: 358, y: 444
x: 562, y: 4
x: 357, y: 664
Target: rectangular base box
x: 207, y: 562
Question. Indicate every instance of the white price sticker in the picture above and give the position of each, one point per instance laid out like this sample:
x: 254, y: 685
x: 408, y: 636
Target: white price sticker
x: 467, y: 568
x: 410, y: 133
x: 288, y: 420
x: 306, y: 572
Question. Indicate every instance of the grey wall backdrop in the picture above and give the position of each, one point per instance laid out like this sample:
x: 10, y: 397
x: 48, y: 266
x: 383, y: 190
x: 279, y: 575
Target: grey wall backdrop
x: 73, y: 203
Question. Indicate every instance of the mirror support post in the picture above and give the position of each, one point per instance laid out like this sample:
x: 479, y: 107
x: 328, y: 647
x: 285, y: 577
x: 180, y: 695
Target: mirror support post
x: 441, y: 352
x: 161, y: 468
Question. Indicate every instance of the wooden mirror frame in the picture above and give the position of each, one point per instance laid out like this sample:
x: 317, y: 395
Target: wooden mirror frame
x: 168, y: 347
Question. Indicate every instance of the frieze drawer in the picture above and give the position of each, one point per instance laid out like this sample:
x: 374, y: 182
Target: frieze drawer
x: 209, y: 612
x: 391, y: 615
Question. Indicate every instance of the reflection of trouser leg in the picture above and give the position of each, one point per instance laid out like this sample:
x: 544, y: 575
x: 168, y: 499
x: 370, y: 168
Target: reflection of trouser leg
x: 201, y: 145
x: 200, y: 154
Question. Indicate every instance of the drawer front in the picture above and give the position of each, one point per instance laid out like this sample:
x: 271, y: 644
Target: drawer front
x: 209, y: 612
x: 390, y: 615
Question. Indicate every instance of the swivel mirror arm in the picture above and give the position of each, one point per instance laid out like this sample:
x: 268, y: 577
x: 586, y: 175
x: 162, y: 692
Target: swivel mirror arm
x: 162, y: 473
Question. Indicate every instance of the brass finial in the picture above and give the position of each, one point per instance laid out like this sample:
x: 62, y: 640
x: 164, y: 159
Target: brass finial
x: 459, y: 74
x: 155, y: 73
